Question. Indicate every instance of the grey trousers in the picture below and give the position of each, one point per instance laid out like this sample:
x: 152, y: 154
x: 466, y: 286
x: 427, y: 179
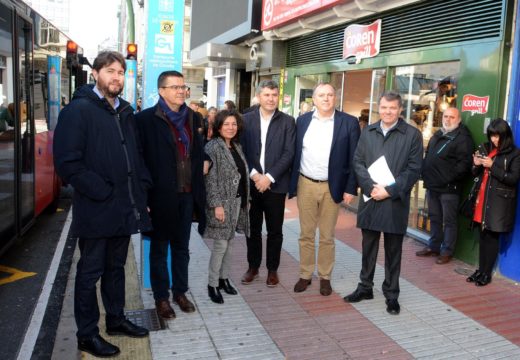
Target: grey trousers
x: 220, y: 260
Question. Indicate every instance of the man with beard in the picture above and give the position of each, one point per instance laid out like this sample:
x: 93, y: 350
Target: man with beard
x: 172, y: 142
x: 96, y: 151
x: 447, y: 162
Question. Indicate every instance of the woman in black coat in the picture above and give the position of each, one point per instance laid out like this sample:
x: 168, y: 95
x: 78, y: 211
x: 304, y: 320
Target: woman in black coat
x: 497, y: 165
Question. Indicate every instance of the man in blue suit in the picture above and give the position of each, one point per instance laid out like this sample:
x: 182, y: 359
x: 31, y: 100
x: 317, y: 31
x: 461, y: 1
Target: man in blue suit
x: 322, y: 177
x: 268, y: 144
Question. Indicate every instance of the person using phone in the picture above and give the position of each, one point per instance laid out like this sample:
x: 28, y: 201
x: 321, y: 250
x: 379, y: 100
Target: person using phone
x: 498, y: 170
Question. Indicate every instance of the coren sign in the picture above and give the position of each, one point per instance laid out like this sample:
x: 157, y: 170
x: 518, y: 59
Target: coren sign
x: 362, y: 41
x: 475, y: 104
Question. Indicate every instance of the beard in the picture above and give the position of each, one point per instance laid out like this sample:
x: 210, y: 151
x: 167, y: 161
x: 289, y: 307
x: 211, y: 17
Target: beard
x: 111, y: 90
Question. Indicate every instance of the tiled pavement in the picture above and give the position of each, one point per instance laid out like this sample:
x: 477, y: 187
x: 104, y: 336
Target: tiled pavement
x: 442, y: 316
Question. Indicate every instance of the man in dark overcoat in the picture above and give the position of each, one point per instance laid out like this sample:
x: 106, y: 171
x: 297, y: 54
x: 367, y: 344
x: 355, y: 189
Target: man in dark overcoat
x: 384, y: 206
x: 171, y: 138
x: 96, y: 151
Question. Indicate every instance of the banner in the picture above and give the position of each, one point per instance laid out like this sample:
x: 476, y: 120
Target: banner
x: 130, y: 89
x: 362, y: 41
x: 53, y: 90
x: 475, y: 104
x: 279, y: 12
x: 163, y: 50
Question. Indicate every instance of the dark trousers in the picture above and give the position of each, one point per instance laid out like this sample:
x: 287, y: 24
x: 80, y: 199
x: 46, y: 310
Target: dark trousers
x: 272, y: 205
x: 103, y: 258
x: 393, y: 251
x: 488, y: 250
x: 180, y: 253
x: 443, y: 211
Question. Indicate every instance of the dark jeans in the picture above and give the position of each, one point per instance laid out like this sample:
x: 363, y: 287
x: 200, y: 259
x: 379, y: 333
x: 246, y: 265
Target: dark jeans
x: 488, y: 250
x: 442, y: 209
x: 393, y: 251
x: 180, y: 253
x: 272, y: 205
x: 103, y: 258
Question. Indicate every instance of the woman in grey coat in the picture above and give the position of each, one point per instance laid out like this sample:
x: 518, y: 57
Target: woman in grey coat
x: 227, y: 193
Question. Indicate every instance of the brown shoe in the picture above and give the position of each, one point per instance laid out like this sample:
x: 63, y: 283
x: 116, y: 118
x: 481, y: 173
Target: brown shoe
x: 426, y: 252
x: 301, y: 285
x: 272, y: 279
x: 443, y: 259
x: 164, y: 309
x: 183, y: 302
x: 249, y: 276
x: 325, y: 288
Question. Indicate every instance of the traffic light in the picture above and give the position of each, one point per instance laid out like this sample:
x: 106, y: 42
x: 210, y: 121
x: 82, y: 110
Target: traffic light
x: 72, y: 54
x: 131, y: 51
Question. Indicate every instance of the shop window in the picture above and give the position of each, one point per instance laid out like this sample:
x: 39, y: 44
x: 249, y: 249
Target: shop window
x: 427, y: 91
x: 304, y: 87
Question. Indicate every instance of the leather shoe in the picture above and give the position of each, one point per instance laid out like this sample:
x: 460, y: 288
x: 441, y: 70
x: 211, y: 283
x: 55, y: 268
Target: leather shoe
x: 224, y: 284
x: 302, y: 285
x: 359, y: 295
x: 215, y: 295
x: 183, y: 302
x: 128, y: 329
x: 392, y: 307
x: 97, y: 346
x: 272, y: 279
x: 164, y: 309
x: 249, y: 276
x: 483, y: 280
x: 443, y: 259
x: 474, y: 277
x: 325, y: 288
x: 426, y: 252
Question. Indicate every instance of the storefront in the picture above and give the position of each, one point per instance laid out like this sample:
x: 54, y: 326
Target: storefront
x: 436, y: 54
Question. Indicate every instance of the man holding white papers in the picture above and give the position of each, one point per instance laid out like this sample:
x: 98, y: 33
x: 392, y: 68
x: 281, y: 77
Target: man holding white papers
x: 387, y: 211
x: 322, y: 177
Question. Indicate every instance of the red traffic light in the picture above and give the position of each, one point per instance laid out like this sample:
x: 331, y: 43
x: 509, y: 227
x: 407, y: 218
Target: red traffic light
x: 72, y: 47
x: 131, y: 51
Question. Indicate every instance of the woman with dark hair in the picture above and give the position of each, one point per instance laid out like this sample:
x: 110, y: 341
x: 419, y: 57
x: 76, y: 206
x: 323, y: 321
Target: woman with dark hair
x: 497, y: 165
x: 208, y: 123
x: 229, y: 105
x: 227, y: 193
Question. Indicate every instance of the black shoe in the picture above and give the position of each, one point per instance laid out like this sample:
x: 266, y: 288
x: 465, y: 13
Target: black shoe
x: 215, y: 295
x: 224, y: 284
x: 474, y: 277
x: 97, y: 346
x: 392, y: 307
x: 128, y: 329
x: 359, y: 295
x: 483, y: 280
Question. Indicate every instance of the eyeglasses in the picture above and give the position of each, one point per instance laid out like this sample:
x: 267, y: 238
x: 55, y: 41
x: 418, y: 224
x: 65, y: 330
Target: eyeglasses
x: 177, y: 87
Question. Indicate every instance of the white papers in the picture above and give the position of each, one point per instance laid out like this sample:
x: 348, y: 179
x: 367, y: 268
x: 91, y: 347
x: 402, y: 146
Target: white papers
x: 380, y: 173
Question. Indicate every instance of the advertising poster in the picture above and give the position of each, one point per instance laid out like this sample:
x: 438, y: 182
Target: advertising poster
x: 53, y: 90
x: 163, y: 50
x: 130, y: 89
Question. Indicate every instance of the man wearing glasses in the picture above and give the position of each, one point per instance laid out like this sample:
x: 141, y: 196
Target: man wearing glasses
x: 172, y: 144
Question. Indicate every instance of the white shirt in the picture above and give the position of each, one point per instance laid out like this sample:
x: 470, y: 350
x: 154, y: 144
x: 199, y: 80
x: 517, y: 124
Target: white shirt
x: 317, y: 143
x: 264, y: 126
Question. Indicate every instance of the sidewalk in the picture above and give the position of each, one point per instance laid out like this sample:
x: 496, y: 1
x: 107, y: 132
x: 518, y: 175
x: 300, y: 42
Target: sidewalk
x: 442, y: 316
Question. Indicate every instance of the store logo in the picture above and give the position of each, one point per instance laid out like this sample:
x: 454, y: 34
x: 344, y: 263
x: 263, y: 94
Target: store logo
x: 268, y: 12
x: 475, y: 104
x: 362, y: 41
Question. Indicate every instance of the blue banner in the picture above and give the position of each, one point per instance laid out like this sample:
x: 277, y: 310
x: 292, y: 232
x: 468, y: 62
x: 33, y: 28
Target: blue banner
x: 130, y: 89
x: 163, y: 49
x: 53, y: 90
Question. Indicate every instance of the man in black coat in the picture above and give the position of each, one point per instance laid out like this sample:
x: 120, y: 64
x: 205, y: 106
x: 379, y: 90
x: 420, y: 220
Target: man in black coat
x: 447, y: 162
x: 268, y: 144
x: 387, y: 203
x: 172, y: 142
x: 96, y: 151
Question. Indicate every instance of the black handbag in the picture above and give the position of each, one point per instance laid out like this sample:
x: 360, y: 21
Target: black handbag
x: 467, y: 207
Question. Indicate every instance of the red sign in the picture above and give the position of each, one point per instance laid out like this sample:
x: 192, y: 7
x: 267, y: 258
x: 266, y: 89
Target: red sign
x: 475, y: 104
x: 362, y: 41
x: 278, y: 12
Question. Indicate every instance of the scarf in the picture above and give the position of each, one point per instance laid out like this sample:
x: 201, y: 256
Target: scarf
x: 479, y: 204
x: 178, y: 120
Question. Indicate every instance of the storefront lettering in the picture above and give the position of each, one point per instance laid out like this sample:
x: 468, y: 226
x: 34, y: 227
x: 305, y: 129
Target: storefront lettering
x: 362, y: 41
x: 475, y: 104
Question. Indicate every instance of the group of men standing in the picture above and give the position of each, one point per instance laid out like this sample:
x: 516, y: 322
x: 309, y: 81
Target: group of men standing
x: 114, y: 162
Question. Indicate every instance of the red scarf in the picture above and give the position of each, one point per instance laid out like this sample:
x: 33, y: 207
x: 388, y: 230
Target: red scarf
x: 479, y: 204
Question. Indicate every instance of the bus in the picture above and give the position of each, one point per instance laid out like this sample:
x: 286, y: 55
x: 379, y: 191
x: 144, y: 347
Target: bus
x: 35, y: 83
